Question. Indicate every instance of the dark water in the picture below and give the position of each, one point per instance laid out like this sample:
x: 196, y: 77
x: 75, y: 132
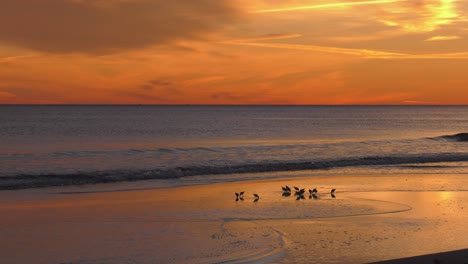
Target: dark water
x: 76, y: 144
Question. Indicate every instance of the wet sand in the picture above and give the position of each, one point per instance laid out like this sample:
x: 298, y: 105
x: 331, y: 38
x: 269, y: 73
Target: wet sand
x: 372, y: 218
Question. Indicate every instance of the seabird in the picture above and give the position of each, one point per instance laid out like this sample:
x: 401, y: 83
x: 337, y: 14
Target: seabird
x: 314, y: 190
x: 295, y: 188
x: 333, y: 191
x: 256, y: 197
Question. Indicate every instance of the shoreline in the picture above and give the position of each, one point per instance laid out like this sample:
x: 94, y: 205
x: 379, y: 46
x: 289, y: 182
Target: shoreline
x: 385, y: 215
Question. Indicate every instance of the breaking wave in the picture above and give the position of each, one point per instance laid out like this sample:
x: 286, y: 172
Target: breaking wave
x: 461, y: 137
x: 106, y: 176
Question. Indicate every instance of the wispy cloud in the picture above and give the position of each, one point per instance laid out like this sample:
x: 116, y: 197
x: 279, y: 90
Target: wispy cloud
x: 366, y: 53
x: 438, y: 38
x: 418, y: 102
x: 325, y: 6
x: 15, y: 58
x: 6, y: 95
x: 363, y: 53
x: 266, y: 37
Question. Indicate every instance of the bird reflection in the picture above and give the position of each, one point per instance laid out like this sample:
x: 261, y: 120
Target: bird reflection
x: 332, y: 195
x: 300, y: 197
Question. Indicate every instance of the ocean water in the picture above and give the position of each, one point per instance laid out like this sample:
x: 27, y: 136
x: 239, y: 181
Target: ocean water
x: 50, y: 145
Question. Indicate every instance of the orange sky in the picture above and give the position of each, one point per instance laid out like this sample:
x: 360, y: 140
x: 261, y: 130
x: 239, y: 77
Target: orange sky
x: 234, y: 52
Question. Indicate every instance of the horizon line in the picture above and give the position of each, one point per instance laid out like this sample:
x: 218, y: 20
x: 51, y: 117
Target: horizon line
x: 105, y: 104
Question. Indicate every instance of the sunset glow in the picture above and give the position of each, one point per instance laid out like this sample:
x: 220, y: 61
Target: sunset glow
x: 233, y: 52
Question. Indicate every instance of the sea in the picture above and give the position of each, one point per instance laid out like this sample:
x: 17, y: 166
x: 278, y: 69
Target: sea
x: 46, y: 145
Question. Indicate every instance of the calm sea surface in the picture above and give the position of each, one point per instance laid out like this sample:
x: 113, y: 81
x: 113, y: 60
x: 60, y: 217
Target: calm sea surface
x: 134, y: 142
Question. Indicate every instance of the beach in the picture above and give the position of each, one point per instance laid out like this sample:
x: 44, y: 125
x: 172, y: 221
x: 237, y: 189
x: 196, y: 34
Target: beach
x: 156, y: 184
x: 372, y: 218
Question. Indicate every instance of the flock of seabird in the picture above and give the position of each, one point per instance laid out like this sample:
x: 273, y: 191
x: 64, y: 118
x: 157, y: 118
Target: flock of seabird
x: 298, y: 193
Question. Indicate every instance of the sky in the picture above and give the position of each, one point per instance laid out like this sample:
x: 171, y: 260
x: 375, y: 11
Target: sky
x: 234, y: 52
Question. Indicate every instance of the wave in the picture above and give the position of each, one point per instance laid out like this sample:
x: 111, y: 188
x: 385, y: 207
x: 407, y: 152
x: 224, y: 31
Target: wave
x: 461, y: 137
x: 23, y: 181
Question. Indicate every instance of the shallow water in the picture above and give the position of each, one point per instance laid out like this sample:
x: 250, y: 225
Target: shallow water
x: 371, y: 218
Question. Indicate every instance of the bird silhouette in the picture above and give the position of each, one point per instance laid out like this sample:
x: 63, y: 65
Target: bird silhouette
x: 295, y: 188
x: 256, y: 197
x: 332, y: 190
x: 314, y: 190
x: 332, y: 195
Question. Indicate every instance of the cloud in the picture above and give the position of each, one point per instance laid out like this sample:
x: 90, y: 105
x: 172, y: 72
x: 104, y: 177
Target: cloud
x: 6, y: 95
x: 266, y: 37
x: 421, y: 16
x: 160, y: 83
x: 365, y: 53
x: 324, y: 6
x: 418, y: 102
x: 105, y: 26
x: 438, y: 38
x: 146, y: 87
x: 362, y: 53
x: 14, y: 58
x: 152, y: 84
